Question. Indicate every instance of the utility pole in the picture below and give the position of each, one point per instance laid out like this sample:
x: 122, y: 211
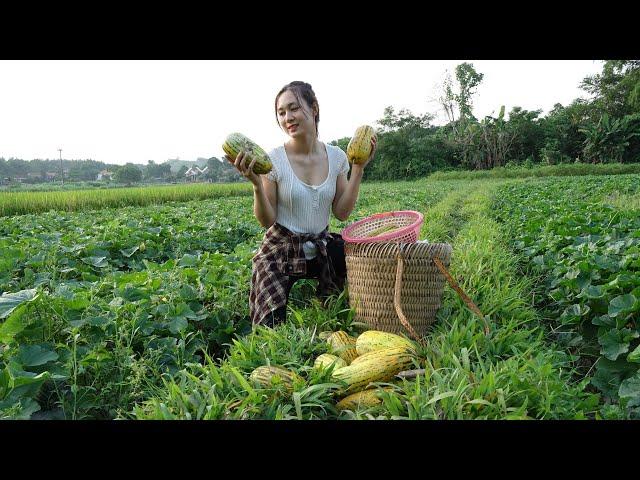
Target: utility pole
x: 61, y: 169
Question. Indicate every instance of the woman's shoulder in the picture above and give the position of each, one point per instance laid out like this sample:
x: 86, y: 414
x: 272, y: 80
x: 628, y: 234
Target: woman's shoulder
x: 277, y: 154
x: 276, y: 151
x: 334, y: 151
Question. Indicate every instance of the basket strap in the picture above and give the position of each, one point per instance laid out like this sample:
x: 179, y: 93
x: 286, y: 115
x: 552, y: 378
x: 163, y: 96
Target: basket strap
x: 396, y: 298
x: 472, y: 306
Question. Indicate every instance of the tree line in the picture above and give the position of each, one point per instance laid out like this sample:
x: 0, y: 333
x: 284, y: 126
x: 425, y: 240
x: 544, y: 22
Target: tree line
x: 602, y: 129
x: 39, y: 171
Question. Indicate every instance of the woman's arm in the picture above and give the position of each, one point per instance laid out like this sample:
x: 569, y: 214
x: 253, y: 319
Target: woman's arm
x: 265, y: 201
x: 347, y: 191
x: 265, y: 198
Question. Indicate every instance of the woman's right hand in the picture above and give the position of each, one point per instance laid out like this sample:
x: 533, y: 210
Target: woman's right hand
x: 245, y: 170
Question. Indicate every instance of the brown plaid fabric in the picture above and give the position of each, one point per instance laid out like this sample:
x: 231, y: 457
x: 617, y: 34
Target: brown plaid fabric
x: 280, y: 261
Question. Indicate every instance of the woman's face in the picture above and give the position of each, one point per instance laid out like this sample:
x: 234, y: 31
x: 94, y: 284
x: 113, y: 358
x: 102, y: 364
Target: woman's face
x: 295, y: 118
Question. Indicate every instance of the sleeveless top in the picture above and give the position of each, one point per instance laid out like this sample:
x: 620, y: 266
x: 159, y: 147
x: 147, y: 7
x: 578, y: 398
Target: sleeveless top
x: 304, y: 208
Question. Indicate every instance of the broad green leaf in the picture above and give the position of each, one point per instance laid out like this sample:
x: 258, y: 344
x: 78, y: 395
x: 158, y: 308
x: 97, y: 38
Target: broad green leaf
x: 178, y: 324
x: 630, y: 391
x: 188, y: 260
x: 187, y: 292
x: 98, y: 262
x: 17, y: 321
x: 624, y: 280
x: 127, y: 252
x: 34, y: 355
x: 634, y: 356
x: 10, y: 301
x: 594, y: 291
x: 609, y: 374
x: 573, y: 313
x: 621, y: 304
x: 28, y: 406
x: 606, y: 263
x: 612, y: 346
x: 604, y: 321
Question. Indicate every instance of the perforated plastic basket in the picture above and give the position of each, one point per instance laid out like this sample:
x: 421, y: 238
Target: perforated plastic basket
x: 406, y: 226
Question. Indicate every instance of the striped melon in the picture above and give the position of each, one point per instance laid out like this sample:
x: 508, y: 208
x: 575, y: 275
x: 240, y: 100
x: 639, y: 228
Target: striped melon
x: 372, y: 340
x: 237, y: 141
x: 270, y: 376
x: 359, y: 147
x: 379, y: 366
x: 326, y: 360
x: 363, y: 399
x: 343, y: 345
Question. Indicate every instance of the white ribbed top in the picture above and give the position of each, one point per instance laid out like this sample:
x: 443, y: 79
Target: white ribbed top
x: 304, y: 208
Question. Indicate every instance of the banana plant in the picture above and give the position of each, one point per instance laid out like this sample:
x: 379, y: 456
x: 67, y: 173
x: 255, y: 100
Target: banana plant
x: 607, y: 140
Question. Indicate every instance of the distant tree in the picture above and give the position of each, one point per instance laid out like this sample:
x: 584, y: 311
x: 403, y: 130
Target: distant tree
x: 181, y: 172
x: 407, y: 146
x: 616, y: 90
x: 563, y: 140
x: 457, y: 97
x: 128, y: 174
x: 343, y: 143
x: 404, y: 119
x: 528, y: 135
x: 495, y: 141
x: 468, y: 81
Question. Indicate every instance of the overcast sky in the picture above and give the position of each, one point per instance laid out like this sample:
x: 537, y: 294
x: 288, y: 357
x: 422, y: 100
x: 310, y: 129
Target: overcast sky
x: 137, y: 110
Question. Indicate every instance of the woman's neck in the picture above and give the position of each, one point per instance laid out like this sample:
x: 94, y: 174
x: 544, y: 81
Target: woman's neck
x: 303, y: 146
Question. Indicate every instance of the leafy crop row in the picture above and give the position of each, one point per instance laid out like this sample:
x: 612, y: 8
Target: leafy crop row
x: 586, y: 255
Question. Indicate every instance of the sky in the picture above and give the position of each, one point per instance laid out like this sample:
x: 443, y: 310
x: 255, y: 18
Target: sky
x: 119, y: 111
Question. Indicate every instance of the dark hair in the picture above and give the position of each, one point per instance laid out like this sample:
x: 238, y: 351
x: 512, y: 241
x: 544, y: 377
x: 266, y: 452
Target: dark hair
x: 304, y: 90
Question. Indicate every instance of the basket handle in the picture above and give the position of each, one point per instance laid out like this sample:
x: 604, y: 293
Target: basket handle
x: 396, y: 299
x: 472, y: 306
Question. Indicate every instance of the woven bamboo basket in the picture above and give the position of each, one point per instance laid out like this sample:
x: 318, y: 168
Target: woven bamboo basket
x: 396, y: 287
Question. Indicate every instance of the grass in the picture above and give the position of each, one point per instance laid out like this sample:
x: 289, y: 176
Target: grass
x: 567, y: 169
x: 623, y: 202
x: 20, y: 203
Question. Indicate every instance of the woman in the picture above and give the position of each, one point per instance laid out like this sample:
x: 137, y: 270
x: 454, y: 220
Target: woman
x: 308, y: 181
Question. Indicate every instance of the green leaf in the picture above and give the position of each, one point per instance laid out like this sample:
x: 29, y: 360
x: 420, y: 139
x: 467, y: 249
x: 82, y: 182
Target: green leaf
x: 605, y: 263
x: 622, y: 304
x: 441, y: 396
x: 127, y: 252
x: 178, y: 324
x: 16, y: 322
x: 188, y: 260
x: 594, y: 291
x: 634, y: 356
x: 573, y: 313
x: 624, y: 280
x: 100, y: 354
x: 613, y: 344
x: 604, y: 321
x: 98, y: 262
x: 630, y: 391
x: 28, y: 406
x: 34, y: 355
x: 10, y: 301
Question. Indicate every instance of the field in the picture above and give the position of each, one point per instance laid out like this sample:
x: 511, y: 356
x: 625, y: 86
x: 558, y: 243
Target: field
x: 133, y: 304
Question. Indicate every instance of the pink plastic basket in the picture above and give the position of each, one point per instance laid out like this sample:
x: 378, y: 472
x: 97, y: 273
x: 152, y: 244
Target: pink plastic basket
x: 408, y: 223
